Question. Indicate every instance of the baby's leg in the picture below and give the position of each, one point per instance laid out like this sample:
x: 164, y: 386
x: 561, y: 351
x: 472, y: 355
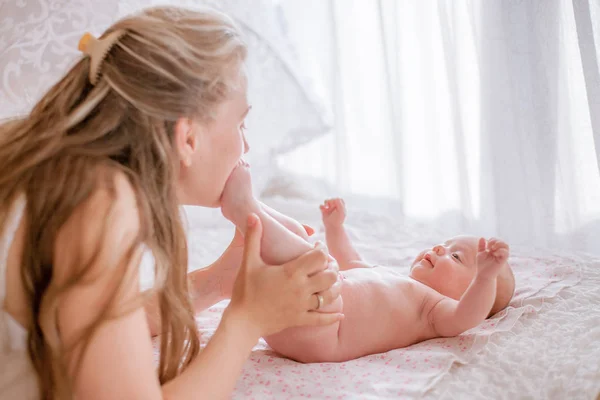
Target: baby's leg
x: 290, y: 223
x: 303, y: 344
x: 280, y: 245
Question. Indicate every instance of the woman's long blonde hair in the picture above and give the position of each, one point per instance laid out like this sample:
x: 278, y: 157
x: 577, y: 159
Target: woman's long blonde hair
x: 170, y: 63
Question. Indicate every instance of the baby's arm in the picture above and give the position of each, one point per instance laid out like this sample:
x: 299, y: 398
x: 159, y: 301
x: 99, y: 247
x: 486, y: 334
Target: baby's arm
x: 450, y: 317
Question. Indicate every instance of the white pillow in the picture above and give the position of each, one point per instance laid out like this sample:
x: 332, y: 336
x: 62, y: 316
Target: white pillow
x: 38, y: 43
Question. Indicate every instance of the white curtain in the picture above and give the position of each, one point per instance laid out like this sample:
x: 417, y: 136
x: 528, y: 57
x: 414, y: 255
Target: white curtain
x: 478, y: 116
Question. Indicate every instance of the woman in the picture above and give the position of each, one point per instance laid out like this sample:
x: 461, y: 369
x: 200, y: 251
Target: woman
x: 152, y: 118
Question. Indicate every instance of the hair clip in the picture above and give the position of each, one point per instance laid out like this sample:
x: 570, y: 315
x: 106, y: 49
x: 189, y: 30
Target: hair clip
x: 97, y: 49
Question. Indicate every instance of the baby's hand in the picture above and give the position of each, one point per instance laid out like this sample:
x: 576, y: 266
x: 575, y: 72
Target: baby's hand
x: 491, y: 257
x: 333, y: 212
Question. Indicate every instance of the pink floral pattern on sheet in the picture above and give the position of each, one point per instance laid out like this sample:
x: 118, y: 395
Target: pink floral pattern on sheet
x: 401, y: 373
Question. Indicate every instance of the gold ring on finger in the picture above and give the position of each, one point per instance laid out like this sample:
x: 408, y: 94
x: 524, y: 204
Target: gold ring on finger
x: 319, y: 301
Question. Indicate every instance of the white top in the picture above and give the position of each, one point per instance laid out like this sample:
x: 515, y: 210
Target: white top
x: 17, y: 375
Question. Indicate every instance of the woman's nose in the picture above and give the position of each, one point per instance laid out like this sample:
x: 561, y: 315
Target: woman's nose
x: 439, y: 250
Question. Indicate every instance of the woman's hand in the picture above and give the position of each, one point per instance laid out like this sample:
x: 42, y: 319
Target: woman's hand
x: 231, y: 260
x: 272, y: 298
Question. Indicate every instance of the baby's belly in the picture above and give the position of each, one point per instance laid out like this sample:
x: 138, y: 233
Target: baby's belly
x: 380, y: 315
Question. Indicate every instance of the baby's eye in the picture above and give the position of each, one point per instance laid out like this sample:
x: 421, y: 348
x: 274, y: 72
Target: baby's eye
x: 456, y: 256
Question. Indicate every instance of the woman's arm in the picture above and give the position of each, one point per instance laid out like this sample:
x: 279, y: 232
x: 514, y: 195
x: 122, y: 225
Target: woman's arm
x: 214, y: 372
x: 118, y: 361
x: 266, y: 299
x: 207, y: 286
x: 212, y: 284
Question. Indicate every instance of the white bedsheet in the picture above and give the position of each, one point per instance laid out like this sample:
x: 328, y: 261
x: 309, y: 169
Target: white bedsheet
x: 545, y: 345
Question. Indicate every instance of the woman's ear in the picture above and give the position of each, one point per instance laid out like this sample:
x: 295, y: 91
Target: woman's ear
x: 185, y: 140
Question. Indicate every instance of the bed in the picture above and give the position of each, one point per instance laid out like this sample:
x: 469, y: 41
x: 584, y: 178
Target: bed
x: 544, y: 346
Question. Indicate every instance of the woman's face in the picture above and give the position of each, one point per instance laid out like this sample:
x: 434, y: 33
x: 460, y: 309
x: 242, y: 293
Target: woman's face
x: 210, y: 151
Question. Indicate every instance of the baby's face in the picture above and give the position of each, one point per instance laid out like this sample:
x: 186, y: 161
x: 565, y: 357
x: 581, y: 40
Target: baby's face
x: 449, y: 267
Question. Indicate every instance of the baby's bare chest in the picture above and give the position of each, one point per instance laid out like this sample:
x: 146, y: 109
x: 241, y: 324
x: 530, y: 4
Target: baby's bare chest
x: 383, y: 300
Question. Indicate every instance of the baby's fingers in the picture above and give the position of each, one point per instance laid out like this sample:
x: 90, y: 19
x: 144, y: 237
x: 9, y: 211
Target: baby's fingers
x: 492, y: 244
x: 501, y: 254
x: 326, y: 210
x: 481, y: 245
x: 502, y: 245
x: 495, y: 244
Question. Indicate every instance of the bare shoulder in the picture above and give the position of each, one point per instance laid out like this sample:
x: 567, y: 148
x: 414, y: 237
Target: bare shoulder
x: 100, y: 230
x: 97, y: 307
x: 425, y: 299
x: 422, y: 295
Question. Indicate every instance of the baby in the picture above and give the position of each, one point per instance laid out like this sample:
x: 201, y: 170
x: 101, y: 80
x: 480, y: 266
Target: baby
x: 451, y: 287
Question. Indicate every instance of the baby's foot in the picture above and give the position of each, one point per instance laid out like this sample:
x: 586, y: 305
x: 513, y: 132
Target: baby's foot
x: 333, y: 212
x: 237, y: 198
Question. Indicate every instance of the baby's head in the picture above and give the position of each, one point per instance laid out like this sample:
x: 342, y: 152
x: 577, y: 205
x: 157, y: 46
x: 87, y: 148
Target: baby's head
x: 450, y: 267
